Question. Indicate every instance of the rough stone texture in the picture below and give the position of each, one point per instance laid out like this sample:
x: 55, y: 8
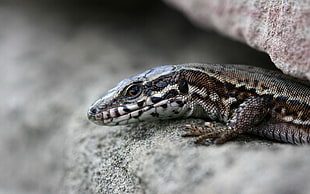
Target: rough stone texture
x: 279, y: 28
x: 57, y: 59
x: 153, y: 158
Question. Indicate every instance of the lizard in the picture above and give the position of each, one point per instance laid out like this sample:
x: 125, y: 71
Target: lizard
x: 236, y: 98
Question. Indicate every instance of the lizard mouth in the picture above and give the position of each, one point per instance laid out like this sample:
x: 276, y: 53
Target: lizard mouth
x: 132, y: 113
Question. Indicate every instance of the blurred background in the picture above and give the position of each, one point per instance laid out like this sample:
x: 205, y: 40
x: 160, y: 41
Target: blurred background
x: 54, y: 55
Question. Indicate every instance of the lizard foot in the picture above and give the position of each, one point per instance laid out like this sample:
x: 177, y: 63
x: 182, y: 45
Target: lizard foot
x: 212, y: 130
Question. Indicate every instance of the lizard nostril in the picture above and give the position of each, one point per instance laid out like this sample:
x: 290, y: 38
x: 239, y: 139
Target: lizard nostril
x: 93, y: 110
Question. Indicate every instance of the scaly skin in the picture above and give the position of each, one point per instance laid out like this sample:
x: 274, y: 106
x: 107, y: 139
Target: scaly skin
x: 242, y: 98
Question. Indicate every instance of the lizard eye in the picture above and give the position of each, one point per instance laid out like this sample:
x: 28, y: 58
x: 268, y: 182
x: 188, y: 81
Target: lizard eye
x: 133, y: 90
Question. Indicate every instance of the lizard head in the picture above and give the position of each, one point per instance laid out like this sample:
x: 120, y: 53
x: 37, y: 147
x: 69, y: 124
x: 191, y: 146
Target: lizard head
x: 159, y: 93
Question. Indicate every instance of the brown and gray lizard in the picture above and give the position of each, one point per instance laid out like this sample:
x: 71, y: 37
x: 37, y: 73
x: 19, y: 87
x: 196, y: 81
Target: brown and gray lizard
x: 245, y: 99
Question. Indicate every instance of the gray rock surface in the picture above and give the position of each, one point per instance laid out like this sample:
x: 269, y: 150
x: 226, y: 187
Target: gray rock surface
x: 57, y: 59
x: 279, y: 28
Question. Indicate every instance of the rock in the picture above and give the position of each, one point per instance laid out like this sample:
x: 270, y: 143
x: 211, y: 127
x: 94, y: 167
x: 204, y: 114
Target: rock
x: 57, y: 59
x: 154, y: 158
x: 279, y: 28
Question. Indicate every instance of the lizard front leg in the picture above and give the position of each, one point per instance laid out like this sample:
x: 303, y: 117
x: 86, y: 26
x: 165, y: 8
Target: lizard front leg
x: 249, y: 113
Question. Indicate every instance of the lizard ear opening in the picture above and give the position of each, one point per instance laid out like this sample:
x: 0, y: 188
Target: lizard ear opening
x: 183, y: 86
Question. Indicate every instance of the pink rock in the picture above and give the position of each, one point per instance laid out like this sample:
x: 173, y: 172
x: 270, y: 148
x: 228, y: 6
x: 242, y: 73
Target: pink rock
x: 279, y: 28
